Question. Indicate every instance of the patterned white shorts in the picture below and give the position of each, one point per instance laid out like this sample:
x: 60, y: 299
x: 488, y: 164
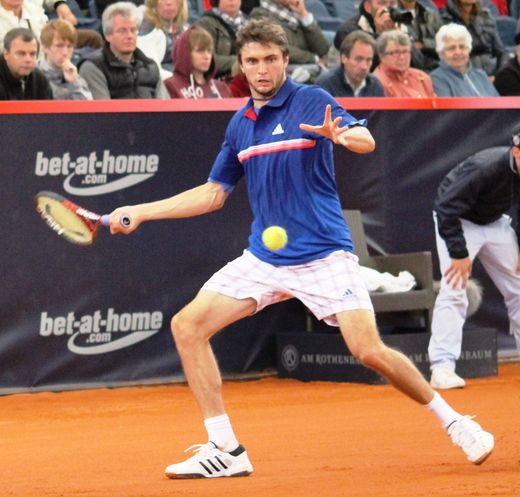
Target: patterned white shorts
x: 326, y: 286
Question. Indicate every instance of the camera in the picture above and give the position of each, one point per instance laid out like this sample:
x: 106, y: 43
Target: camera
x: 399, y: 16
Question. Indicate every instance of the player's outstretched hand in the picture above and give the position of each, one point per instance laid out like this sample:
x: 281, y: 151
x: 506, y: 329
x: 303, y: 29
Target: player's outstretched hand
x: 357, y: 139
x: 329, y: 129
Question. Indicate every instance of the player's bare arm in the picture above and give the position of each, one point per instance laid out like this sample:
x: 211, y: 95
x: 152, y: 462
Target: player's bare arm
x: 200, y: 200
x: 356, y: 139
x: 458, y: 272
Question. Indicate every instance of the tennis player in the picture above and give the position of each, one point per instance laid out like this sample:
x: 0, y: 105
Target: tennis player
x: 289, y: 172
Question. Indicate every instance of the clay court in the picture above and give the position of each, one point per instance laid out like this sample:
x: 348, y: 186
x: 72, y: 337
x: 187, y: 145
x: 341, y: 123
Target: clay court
x: 304, y: 439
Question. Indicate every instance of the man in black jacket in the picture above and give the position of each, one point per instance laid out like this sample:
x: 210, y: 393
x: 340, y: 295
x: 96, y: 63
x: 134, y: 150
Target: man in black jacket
x: 120, y: 70
x: 470, y: 214
x: 352, y: 78
x: 19, y: 77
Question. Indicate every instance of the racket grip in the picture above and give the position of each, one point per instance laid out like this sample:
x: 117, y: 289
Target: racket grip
x: 124, y: 220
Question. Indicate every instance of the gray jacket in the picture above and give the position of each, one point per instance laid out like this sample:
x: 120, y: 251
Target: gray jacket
x: 448, y: 82
x: 62, y: 89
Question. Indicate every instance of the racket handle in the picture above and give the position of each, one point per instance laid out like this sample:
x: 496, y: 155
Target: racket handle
x: 124, y: 220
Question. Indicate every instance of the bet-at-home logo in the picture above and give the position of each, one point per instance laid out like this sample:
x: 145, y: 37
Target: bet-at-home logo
x: 99, y: 333
x: 95, y: 175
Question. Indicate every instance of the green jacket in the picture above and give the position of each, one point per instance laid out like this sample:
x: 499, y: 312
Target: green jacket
x: 224, y: 41
x: 305, y: 42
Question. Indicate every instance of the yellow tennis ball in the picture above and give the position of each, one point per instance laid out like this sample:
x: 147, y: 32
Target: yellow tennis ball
x: 274, y: 238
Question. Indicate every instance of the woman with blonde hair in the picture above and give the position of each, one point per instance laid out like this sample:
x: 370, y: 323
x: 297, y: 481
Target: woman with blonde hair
x: 163, y: 22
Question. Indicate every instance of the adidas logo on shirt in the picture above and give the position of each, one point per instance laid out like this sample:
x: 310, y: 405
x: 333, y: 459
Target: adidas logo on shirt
x: 278, y: 130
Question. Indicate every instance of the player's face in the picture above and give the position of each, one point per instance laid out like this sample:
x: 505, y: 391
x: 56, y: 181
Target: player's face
x: 59, y: 52
x: 21, y: 57
x: 123, y: 39
x: 264, y: 67
x: 357, y: 64
x: 456, y: 53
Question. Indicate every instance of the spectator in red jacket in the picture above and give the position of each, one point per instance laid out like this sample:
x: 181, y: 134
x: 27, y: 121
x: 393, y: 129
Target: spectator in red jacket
x: 194, y: 63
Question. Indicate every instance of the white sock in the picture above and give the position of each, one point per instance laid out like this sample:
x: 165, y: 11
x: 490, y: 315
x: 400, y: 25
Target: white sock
x: 443, y: 410
x: 221, y: 432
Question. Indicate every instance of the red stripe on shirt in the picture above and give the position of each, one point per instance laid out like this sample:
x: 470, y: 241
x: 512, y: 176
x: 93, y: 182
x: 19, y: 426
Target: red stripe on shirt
x: 269, y: 148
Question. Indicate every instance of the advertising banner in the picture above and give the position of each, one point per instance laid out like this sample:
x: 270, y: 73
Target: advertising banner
x: 74, y: 317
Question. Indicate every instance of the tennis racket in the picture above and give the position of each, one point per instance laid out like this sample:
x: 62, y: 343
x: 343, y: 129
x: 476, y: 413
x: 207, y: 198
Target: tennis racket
x: 74, y: 223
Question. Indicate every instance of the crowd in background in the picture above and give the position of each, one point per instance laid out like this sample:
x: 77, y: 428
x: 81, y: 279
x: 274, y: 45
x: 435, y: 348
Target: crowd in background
x: 101, y: 49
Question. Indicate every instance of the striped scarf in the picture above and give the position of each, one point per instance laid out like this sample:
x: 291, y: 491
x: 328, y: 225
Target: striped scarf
x: 282, y: 13
x: 235, y: 23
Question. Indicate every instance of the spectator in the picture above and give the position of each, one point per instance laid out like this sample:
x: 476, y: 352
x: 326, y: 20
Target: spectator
x: 58, y: 39
x: 21, y: 14
x: 487, y: 51
x: 307, y: 44
x: 425, y: 23
x: 195, y: 68
x: 120, y: 69
x: 20, y: 79
x: 164, y: 21
x: 507, y: 80
x: 455, y: 77
x: 222, y: 22
x: 394, y: 71
x: 352, y: 78
x: 374, y: 18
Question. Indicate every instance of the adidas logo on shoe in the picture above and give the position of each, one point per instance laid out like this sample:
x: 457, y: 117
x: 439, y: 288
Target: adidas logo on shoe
x: 209, y: 461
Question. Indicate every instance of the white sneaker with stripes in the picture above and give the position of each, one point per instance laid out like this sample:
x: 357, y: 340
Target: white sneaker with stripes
x: 208, y: 461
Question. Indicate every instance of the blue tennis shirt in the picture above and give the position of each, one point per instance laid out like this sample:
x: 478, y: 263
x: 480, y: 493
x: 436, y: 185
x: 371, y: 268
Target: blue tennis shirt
x: 289, y: 173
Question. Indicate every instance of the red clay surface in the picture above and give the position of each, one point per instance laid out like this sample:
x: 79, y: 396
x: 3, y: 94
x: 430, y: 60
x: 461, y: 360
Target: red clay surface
x: 304, y: 439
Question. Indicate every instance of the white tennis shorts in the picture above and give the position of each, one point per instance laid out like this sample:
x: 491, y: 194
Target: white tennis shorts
x: 326, y: 286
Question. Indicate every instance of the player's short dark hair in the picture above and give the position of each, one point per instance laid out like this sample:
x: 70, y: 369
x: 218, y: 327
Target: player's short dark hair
x: 357, y: 35
x: 264, y: 32
x: 25, y: 34
x: 515, y: 136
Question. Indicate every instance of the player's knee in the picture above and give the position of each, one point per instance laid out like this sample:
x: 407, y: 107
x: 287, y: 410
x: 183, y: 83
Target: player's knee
x: 182, y: 330
x: 371, y: 356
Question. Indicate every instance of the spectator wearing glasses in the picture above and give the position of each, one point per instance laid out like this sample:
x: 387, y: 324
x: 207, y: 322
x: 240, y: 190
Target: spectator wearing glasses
x: 58, y: 39
x: 455, y: 76
x: 394, y: 71
x: 120, y: 69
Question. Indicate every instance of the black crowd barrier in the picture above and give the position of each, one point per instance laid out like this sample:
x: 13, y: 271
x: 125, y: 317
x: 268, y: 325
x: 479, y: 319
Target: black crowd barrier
x: 75, y: 317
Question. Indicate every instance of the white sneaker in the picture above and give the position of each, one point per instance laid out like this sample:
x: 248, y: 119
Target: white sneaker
x: 444, y: 377
x: 210, y: 462
x: 476, y: 443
